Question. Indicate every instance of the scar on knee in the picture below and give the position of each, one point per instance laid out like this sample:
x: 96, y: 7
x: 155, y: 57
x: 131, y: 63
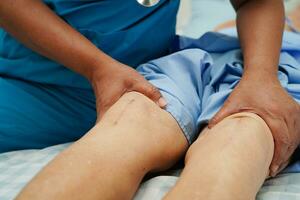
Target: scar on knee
x: 247, y: 115
x: 239, y: 116
x: 122, y: 111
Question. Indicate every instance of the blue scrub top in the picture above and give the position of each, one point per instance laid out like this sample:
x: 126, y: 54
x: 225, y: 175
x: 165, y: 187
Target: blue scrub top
x: 125, y: 30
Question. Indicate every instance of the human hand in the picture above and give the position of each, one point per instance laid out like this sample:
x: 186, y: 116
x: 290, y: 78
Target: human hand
x: 264, y: 96
x: 115, y: 79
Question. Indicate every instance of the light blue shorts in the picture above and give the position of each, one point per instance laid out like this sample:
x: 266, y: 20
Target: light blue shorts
x: 197, y: 80
x: 37, y: 113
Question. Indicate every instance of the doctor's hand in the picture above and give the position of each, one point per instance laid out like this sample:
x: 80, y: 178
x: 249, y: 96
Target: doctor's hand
x: 264, y: 96
x: 115, y: 79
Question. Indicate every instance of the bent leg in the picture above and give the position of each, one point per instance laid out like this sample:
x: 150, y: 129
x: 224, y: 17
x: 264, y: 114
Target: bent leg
x: 134, y: 137
x: 228, y: 162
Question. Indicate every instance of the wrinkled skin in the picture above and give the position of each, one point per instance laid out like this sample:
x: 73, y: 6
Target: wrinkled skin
x: 265, y: 96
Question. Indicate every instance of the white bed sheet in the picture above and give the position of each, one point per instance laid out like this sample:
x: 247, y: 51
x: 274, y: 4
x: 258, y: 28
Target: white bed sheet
x: 17, y: 168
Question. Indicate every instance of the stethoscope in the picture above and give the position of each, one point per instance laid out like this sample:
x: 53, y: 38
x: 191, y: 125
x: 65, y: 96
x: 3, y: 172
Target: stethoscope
x: 148, y: 3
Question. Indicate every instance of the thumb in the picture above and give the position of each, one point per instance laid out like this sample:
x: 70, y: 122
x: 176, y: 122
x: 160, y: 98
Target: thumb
x: 224, y: 112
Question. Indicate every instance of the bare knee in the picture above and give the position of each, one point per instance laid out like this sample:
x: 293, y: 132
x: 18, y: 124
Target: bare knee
x: 134, y: 110
x: 245, y: 131
x: 133, y: 106
x: 246, y: 125
x: 252, y: 126
x: 156, y: 131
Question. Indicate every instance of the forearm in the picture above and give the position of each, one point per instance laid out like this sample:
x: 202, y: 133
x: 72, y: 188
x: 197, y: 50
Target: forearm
x: 39, y: 28
x: 260, y: 26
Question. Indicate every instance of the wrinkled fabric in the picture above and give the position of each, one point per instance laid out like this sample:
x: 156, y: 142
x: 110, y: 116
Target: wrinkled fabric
x: 198, y: 79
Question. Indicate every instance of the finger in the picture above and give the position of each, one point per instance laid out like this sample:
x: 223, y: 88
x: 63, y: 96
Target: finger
x: 280, y: 152
x: 283, y: 165
x: 281, y: 145
x: 286, y: 158
x: 224, y: 112
x: 151, y: 92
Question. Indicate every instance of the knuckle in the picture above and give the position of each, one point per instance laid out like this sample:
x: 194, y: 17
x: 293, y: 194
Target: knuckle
x: 152, y: 91
x: 156, y: 92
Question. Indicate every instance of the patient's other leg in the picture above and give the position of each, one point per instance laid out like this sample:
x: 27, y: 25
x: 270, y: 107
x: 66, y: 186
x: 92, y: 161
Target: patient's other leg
x: 134, y: 137
x: 228, y: 162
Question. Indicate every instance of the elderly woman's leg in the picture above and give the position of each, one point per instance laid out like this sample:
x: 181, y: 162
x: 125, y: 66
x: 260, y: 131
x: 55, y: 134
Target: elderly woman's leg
x: 228, y: 162
x: 134, y: 137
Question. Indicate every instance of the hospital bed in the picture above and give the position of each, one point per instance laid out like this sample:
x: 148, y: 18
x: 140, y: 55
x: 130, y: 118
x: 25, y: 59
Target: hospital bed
x: 195, y: 18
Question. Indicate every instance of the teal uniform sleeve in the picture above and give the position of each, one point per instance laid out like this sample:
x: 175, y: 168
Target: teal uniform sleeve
x: 131, y: 33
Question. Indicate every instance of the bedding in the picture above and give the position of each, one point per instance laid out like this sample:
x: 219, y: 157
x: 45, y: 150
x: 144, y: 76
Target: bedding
x: 17, y: 168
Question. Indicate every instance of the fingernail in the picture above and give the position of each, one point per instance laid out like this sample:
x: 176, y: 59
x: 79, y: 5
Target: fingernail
x: 162, y: 102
